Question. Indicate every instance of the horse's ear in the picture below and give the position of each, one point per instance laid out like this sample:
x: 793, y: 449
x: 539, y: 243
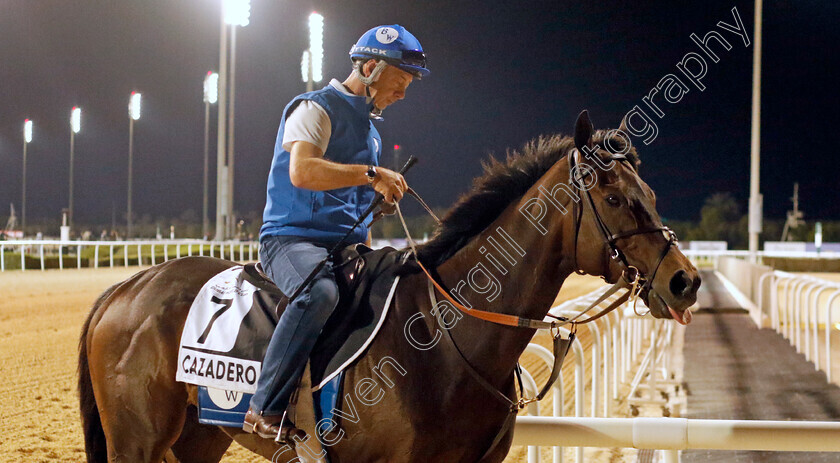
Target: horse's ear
x: 623, y: 126
x: 583, y: 130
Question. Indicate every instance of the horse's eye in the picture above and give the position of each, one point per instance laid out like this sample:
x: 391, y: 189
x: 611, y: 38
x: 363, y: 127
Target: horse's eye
x: 613, y: 200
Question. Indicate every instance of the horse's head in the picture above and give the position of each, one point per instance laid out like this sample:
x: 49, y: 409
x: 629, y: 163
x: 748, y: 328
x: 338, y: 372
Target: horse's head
x: 617, y: 209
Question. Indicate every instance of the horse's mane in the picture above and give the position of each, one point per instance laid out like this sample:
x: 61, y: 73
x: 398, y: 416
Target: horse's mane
x: 502, y: 183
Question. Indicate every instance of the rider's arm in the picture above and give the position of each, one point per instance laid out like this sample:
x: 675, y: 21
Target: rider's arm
x: 307, y: 136
x: 308, y: 169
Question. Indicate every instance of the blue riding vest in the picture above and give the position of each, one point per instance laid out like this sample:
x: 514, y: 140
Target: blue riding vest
x: 324, y: 215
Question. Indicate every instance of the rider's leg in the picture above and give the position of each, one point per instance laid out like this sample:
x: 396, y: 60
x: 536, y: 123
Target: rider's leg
x: 288, y: 261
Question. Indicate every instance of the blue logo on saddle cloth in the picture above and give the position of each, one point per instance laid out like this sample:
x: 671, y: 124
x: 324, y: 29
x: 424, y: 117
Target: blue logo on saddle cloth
x: 228, y: 408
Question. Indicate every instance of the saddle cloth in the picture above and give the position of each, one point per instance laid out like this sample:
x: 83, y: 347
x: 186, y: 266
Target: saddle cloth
x: 234, y: 315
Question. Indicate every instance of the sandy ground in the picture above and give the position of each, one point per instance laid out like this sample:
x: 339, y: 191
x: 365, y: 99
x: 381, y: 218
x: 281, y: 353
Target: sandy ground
x: 41, y: 314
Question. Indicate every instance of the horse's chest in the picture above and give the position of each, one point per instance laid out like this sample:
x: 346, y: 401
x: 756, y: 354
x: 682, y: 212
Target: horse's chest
x: 437, y: 421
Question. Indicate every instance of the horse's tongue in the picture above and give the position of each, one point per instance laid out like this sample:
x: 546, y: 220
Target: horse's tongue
x: 681, y: 318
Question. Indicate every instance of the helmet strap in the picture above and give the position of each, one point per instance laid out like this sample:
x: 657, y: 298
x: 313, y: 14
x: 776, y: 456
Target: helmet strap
x: 374, y: 74
x: 375, y: 113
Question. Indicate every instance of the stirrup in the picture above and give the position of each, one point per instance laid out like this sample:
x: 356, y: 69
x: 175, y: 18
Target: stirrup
x: 288, y: 431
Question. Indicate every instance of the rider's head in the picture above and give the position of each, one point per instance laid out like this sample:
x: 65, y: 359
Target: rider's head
x: 386, y: 59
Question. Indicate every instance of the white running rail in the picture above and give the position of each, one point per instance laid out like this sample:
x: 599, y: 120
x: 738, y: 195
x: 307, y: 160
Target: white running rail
x: 679, y: 433
x: 116, y: 253
x: 619, y: 342
x: 800, y: 307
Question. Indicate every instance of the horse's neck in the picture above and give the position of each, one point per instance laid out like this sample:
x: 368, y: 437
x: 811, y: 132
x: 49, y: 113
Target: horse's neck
x: 511, y: 267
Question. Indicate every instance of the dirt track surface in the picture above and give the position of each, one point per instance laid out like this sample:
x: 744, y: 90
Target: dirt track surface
x: 41, y: 315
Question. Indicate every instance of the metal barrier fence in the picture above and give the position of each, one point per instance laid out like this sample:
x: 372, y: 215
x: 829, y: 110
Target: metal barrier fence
x: 711, y: 258
x: 626, y: 349
x: 635, y: 351
x: 800, y: 308
x: 42, y: 251
x: 49, y: 253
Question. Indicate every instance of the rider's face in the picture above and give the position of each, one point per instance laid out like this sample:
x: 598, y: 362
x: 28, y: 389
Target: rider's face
x: 390, y: 87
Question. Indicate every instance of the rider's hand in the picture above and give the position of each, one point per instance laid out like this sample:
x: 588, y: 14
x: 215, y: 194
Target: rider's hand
x: 387, y: 208
x: 389, y: 184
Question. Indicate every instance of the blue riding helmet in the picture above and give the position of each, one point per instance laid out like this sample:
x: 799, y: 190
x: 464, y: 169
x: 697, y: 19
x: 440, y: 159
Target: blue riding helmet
x: 395, y: 45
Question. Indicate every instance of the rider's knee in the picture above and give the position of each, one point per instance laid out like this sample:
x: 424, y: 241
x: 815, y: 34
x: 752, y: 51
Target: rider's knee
x: 324, y: 293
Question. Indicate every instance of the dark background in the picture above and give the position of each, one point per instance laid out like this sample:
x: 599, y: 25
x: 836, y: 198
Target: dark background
x: 502, y: 73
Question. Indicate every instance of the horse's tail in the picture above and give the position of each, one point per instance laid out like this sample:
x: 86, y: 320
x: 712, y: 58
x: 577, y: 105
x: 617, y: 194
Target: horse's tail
x: 95, y: 445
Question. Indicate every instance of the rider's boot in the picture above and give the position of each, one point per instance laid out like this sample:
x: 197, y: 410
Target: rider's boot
x: 275, y: 427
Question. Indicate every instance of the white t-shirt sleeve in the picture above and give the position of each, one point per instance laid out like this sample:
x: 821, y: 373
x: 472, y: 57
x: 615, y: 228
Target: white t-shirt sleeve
x: 308, y: 122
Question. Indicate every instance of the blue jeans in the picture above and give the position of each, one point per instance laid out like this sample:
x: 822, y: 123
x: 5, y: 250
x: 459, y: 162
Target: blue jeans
x: 288, y: 260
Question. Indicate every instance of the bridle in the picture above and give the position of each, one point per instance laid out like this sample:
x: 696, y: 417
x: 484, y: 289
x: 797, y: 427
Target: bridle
x: 631, y: 279
x: 612, y: 238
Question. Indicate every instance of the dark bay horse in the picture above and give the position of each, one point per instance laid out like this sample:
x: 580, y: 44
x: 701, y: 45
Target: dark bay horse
x: 558, y: 205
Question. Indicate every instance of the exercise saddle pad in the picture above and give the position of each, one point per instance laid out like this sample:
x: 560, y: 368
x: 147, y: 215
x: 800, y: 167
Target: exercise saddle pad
x: 234, y: 315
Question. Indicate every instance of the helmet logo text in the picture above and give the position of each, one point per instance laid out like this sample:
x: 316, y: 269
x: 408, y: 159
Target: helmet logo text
x: 386, y: 35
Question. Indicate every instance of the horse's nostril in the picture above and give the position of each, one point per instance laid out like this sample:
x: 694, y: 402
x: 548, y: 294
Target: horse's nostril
x: 681, y: 284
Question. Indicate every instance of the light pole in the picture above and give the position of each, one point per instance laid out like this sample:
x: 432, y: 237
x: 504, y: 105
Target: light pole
x: 27, y: 138
x: 755, y: 138
x: 211, y: 96
x: 133, y: 115
x: 75, y: 126
x: 241, y: 14
x: 221, y: 146
x: 232, y: 87
x: 312, y: 61
x: 234, y: 13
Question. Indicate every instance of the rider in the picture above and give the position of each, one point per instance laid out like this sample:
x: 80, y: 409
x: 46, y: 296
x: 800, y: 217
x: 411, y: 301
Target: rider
x: 324, y: 174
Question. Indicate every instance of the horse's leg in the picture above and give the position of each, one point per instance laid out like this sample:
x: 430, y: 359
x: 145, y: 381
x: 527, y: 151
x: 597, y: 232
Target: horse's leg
x: 132, y: 352
x: 130, y: 349
x: 141, y: 408
x: 200, y: 443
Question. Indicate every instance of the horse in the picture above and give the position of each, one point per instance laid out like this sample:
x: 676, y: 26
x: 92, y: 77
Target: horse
x: 560, y: 204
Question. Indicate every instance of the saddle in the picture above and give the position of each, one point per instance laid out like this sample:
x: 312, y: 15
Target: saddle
x: 364, y: 277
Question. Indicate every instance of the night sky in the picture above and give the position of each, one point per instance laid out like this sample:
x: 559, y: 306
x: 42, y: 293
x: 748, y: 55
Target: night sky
x: 502, y: 73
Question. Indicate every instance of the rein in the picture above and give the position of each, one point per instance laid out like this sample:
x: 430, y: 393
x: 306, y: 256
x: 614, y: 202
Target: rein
x: 630, y: 277
x: 630, y: 280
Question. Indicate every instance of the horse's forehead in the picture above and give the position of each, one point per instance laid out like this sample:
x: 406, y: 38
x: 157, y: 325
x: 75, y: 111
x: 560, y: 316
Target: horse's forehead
x: 632, y: 180
x: 639, y: 194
